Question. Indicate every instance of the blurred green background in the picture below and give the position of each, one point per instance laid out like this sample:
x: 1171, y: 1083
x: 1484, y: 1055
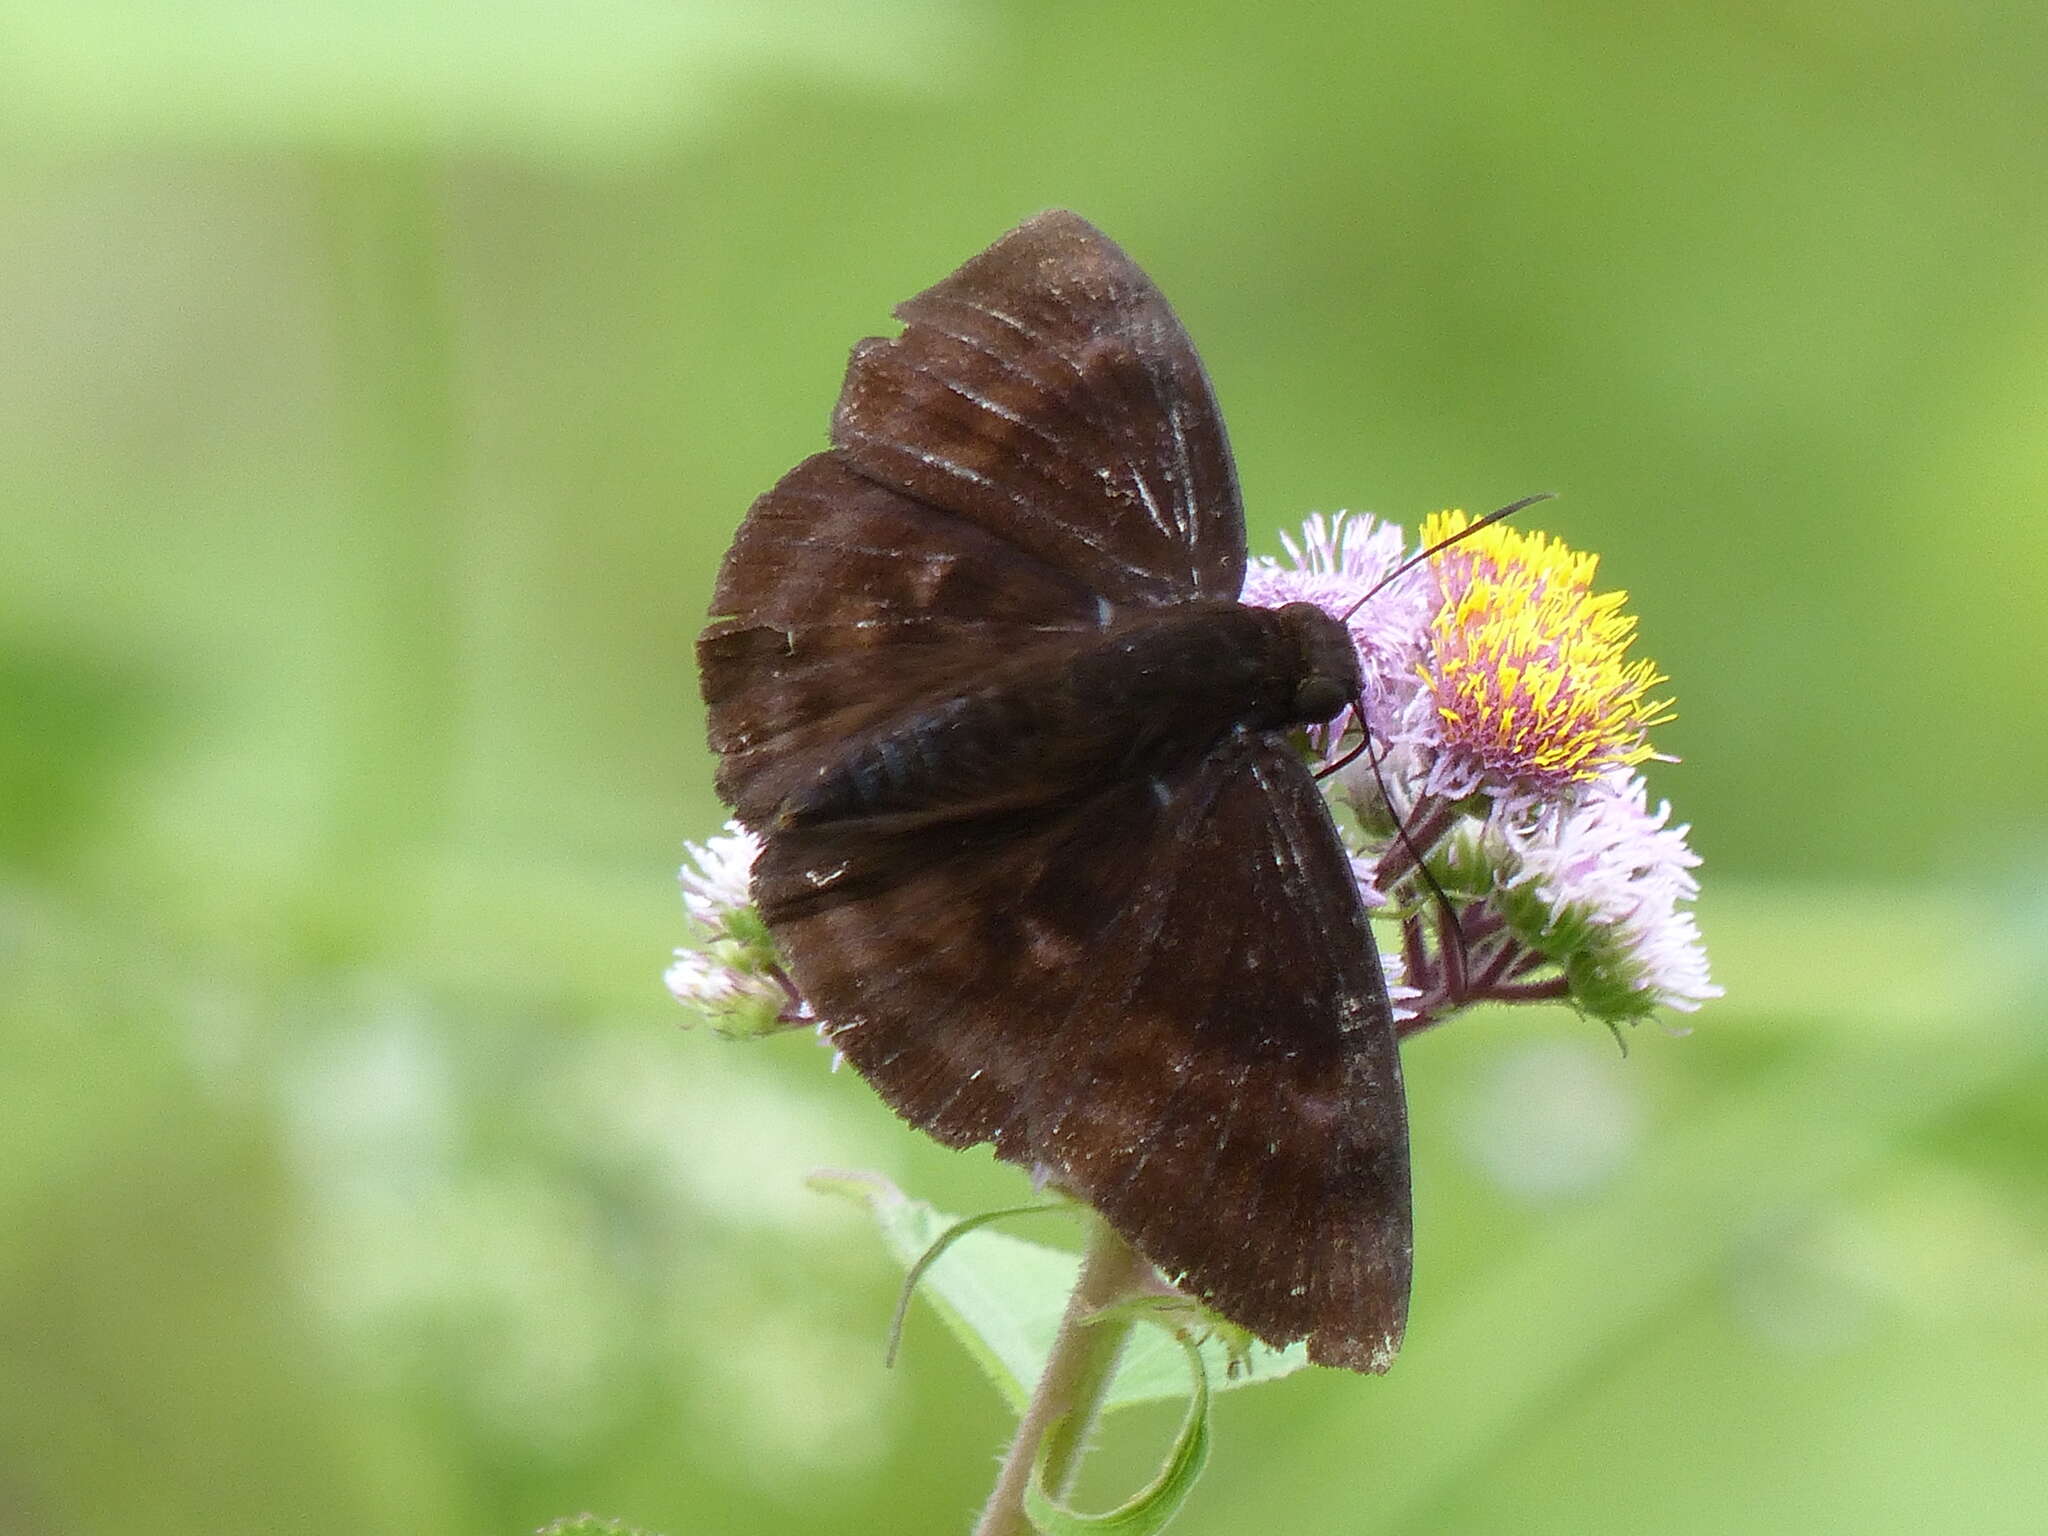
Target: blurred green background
x: 381, y: 384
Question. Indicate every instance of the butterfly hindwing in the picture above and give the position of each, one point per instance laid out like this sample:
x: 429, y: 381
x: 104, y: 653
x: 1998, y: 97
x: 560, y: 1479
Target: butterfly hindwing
x: 1167, y: 998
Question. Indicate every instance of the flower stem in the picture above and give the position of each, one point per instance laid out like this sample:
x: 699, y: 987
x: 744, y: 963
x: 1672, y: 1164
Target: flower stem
x: 1551, y: 989
x: 1428, y: 821
x: 1077, y: 1375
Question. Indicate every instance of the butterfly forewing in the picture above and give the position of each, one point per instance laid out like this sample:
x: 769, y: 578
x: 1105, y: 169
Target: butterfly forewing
x: 1047, y: 391
x: 1064, y: 458
x: 844, y: 604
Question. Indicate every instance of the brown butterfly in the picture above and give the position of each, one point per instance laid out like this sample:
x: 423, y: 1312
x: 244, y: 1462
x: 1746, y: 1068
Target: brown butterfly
x: 1036, y: 842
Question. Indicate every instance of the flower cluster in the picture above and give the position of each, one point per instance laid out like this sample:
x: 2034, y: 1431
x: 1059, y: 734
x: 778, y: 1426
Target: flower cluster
x: 1495, y: 812
x: 1499, y: 817
x: 732, y: 974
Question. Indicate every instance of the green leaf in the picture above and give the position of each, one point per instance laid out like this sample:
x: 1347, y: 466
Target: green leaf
x: 590, y: 1525
x: 1002, y: 1297
x: 1158, y: 1501
x: 945, y: 1240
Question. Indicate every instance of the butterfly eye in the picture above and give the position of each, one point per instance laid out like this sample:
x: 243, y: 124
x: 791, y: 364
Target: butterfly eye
x: 1317, y: 698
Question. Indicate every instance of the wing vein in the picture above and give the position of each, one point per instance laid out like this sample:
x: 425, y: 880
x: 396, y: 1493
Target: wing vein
x: 1026, y: 512
x: 1122, y: 460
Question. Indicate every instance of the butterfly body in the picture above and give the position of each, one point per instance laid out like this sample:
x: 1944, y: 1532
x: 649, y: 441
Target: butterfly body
x: 1067, y: 719
x: 1036, y: 844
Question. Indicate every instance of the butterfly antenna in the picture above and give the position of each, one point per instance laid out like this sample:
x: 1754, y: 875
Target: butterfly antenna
x: 1442, y: 544
x: 1455, y: 957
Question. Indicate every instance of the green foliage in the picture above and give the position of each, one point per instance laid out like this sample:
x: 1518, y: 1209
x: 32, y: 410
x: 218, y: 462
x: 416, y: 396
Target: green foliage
x: 1002, y: 1296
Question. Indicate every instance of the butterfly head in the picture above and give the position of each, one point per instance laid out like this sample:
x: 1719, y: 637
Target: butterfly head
x: 1327, y: 676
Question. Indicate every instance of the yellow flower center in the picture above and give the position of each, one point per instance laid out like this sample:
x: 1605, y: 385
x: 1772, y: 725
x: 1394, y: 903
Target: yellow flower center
x: 1528, y: 664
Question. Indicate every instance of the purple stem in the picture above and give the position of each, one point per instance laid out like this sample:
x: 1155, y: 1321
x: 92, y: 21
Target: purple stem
x: 1431, y: 820
x: 1496, y: 970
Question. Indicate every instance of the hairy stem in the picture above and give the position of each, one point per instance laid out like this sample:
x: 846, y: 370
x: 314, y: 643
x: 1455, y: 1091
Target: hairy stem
x: 1428, y: 821
x: 1077, y: 1375
x: 1552, y: 989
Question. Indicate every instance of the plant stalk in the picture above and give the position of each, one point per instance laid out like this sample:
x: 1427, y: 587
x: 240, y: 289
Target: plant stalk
x: 1070, y: 1393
